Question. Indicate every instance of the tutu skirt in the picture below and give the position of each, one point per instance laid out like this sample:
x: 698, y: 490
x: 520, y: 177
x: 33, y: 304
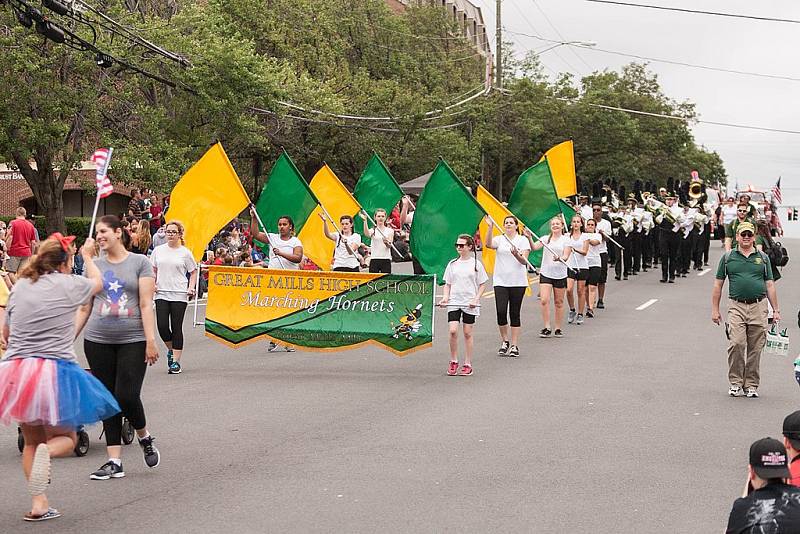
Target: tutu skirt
x: 42, y: 391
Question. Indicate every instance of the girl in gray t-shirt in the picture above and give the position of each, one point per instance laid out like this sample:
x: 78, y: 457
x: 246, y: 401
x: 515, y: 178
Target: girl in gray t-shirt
x: 43, y: 387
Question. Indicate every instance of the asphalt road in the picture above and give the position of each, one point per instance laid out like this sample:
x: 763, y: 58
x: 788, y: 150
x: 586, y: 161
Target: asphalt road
x: 624, y: 425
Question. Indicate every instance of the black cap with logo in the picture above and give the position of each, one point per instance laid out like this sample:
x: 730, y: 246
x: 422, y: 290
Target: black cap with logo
x: 768, y: 458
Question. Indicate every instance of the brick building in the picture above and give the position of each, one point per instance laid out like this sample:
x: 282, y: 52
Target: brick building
x: 78, y: 198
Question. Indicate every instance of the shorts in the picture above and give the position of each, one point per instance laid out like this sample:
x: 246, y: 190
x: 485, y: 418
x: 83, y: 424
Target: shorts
x: 603, y: 268
x: 456, y: 316
x: 557, y: 283
x: 580, y: 274
x: 595, y: 274
x: 347, y: 269
x: 15, y: 263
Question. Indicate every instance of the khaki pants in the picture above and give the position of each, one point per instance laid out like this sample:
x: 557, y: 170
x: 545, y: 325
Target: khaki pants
x: 748, y: 332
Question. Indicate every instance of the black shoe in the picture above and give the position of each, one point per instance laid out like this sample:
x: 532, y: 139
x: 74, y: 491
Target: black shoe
x: 625, y: 277
x: 513, y: 351
x: 503, y: 350
x: 589, y: 314
x: 558, y: 333
x: 108, y: 470
x: 663, y: 280
x: 151, y: 456
x: 671, y: 280
x: 600, y: 304
x: 545, y: 332
x: 616, y: 278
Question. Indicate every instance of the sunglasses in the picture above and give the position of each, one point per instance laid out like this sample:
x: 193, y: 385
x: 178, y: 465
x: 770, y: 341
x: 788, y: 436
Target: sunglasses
x: 171, y: 232
x: 741, y: 211
x: 746, y: 234
x: 460, y: 245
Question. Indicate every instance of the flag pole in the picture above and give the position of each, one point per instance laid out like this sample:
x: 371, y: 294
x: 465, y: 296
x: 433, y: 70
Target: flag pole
x: 266, y: 232
x: 97, y: 198
x: 195, y: 324
x: 338, y: 230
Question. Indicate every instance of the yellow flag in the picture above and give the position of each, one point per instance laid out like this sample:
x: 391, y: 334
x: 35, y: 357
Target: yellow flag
x: 495, y: 209
x: 561, y: 159
x: 207, y: 198
x: 336, y: 200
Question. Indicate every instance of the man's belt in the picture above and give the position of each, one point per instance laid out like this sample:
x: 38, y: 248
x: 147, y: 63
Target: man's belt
x: 749, y: 301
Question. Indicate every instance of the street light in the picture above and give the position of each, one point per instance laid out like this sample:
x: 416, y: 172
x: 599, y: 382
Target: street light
x: 583, y: 44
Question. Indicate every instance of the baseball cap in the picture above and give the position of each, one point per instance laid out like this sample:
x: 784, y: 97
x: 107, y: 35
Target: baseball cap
x: 791, y: 428
x: 768, y: 458
x: 746, y: 226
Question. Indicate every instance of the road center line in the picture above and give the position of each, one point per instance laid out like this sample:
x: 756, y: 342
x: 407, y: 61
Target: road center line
x: 647, y: 304
x: 704, y: 271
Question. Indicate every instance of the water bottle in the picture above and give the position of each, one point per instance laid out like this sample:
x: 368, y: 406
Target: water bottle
x: 797, y: 370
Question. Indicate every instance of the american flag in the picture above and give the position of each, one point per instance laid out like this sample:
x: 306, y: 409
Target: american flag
x: 776, y: 192
x: 101, y: 159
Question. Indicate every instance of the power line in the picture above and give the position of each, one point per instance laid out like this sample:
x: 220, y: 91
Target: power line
x: 353, y: 126
x: 660, y: 60
x: 559, y: 56
x: 546, y: 18
x: 696, y: 11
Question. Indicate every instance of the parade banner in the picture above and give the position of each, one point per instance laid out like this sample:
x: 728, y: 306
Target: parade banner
x: 320, y: 310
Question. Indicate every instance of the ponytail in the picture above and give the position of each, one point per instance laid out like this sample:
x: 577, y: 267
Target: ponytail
x: 50, y: 257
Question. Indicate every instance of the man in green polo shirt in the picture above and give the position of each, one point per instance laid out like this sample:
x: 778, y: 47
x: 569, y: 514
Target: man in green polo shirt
x: 749, y: 281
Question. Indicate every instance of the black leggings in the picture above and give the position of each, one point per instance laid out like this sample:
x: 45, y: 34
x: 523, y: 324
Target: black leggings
x: 169, y: 318
x: 508, y: 299
x: 121, y: 369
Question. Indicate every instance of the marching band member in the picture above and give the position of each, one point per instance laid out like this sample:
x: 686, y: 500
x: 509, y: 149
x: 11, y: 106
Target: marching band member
x: 465, y: 281
x: 579, y: 242
x: 510, y: 280
x: 668, y: 239
x: 552, y: 274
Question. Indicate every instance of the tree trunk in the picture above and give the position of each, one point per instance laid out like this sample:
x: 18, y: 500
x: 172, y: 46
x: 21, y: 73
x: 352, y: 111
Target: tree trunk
x: 48, y: 190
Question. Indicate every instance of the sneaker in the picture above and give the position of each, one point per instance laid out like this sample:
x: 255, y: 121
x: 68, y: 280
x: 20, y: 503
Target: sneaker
x: 466, y: 370
x: 272, y: 346
x: 453, y: 369
x: 589, y: 314
x: 169, y: 358
x: 558, y: 333
x: 579, y: 319
x: 545, y: 332
x: 735, y: 391
x: 752, y: 393
x: 290, y: 349
x: 174, y: 368
x: 571, y: 316
x: 513, y: 351
x: 671, y: 280
x: 108, y: 470
x: 503, y: 350
x: 40, y: 471
x: 600, y: 304
x: 151, y: 456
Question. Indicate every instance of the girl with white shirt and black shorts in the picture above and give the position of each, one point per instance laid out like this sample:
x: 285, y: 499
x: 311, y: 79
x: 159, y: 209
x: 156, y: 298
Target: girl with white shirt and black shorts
x: 380, y: 247
x: 510, y: 280
x: 465, y: 281
x: 345, y: 255
x: 285, y: 250
x: 595, y: 262
x: 552, y: 274
x: 580, y: 270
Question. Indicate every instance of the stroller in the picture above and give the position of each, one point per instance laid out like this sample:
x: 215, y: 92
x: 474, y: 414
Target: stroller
x: 82, y: 447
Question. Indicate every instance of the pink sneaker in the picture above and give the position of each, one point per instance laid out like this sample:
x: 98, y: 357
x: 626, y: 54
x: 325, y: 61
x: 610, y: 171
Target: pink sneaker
x: 466, y: 370
x: 453, y: 369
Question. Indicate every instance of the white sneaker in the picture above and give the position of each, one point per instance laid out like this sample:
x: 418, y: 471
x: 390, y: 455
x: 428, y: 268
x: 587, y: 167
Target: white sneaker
x: 571, y: 316
x: 752, y: 393
x: 736, y: 391
x: 579, y: 319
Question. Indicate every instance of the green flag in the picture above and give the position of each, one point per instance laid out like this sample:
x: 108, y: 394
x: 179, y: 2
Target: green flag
x: 285, y: 193
x: 376, y: 188
x: 445, y: 209
x: 567, y: 211
x: 535, y: 202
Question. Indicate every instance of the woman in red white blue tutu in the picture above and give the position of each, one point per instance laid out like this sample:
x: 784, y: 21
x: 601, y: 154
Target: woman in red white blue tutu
x: 42, y: 387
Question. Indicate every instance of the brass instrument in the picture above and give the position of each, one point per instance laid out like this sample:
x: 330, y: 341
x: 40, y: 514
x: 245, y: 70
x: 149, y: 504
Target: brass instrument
x: 658, y: 208
x: 695, y: 190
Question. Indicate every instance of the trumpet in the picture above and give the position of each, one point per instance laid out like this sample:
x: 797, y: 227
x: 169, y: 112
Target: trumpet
x: 659, y: 209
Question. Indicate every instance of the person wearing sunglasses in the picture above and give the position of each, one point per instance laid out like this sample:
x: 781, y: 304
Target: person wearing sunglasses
x: 465, y: 281
x: 742, y: 215
x: 750, y: 285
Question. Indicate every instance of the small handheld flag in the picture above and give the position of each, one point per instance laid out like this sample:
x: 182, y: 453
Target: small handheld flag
x: 101, y: 159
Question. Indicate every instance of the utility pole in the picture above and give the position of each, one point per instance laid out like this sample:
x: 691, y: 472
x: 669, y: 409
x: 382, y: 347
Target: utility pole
x: 499, y: 85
